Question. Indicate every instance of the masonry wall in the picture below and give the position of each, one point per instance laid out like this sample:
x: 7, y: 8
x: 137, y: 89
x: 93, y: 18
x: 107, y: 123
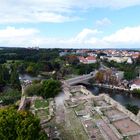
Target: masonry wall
x: 121, y: 108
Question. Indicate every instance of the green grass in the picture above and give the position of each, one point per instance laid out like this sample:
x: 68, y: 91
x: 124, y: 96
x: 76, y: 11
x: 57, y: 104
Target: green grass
x: 41, y: 103
x: 42, y: 114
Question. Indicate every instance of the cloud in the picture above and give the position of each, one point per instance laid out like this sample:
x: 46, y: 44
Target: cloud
x: 34, y: 11
x: 103, y: 22
x: 10, y: 32
x: 127, y: 35
x: 87, y: 33
x: 54, y: 11
x: 87, y: 38
x: 11, y: 36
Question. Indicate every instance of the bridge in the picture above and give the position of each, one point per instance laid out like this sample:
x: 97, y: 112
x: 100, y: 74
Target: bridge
x: 80, y: 79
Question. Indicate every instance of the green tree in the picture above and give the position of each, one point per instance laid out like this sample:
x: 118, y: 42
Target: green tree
x: 6, y: 74
x: 51, y: 88
x: 14, y: 79
x: 20, y: 125
x: 35, y: 89
x: 30, y: 70
x: 47, y: 89
x: 133, y: 108
x: 10, y: 96
x: 129, y: 75
x: 2, y: 82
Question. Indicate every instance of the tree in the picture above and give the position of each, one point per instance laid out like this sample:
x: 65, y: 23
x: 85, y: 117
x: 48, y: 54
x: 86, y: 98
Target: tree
x: 72, y: 59
x: 6, y: 74
x: 136, y: 92
x: 129, y: 75
x: 99, y: 77
x: 10, y: 96
x: 133, y: 108
x: 47, y: 89
x: 20, y: 125
x: 35, y: 89
x: 51, y: 88
x: 14, y: 79
x: 30, y: 70
x: 2, y: 82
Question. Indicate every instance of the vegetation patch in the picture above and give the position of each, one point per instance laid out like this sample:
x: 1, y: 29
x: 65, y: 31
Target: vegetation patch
x: 41, y: 103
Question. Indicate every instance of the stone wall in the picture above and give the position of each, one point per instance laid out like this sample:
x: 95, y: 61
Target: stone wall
x: 80, y: 88
x: 107, y: 99
x: 121, y: 108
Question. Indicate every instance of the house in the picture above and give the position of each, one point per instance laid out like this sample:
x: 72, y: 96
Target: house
x: 119, y: 75
x: 129, y: 60
x: 135, y: 84
x: 87, y: 60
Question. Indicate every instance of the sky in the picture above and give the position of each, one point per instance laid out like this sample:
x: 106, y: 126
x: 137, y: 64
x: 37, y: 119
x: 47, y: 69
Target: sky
x: 70, y: 23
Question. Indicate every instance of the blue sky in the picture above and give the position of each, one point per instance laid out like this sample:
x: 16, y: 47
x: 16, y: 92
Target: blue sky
x: 70, y: 23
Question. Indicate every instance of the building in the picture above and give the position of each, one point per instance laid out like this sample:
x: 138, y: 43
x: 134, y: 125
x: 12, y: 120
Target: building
x: 135, y: 84
x: 119, y: 75
x: 88, y: 60
x: 129, y: 60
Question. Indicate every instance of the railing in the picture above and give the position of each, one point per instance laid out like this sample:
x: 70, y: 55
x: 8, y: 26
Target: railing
x: 80, y: 78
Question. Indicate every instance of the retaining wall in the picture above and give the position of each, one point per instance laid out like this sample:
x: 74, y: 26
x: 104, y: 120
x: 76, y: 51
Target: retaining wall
x: 121, y: 108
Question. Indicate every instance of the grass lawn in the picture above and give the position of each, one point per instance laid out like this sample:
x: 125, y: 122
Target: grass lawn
x: 41, y: 103
x: 42, y: 114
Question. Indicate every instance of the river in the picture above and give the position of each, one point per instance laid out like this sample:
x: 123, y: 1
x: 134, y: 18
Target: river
x: 119, y: 97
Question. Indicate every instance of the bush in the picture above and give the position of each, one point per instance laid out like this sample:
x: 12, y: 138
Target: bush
x: 20, y: 125
x: 133, y: 108
x: 35, y: 89
x: 47, y: 89
x: 51, y: 88
x: 10, y: 96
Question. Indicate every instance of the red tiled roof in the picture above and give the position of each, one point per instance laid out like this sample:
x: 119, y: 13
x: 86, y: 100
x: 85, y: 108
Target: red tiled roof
x: 91, y: 58
x: 137, y: 82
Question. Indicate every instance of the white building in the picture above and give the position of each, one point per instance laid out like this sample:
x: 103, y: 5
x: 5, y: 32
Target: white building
x: 135, y: 84
x: 129, y: 60
x: 119, y: 75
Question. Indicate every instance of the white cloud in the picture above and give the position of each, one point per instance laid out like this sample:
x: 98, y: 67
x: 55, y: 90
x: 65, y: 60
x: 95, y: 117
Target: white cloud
x: 87, y: 38
x: 24, y: 11
x: 10, y: 36
x: 87, y: 33
x: 103, y: 22
x: 11, y: 32
x: 127, y: 35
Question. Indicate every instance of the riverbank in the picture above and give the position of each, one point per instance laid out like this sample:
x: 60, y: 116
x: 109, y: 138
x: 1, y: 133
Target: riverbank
x: 122, y: 97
